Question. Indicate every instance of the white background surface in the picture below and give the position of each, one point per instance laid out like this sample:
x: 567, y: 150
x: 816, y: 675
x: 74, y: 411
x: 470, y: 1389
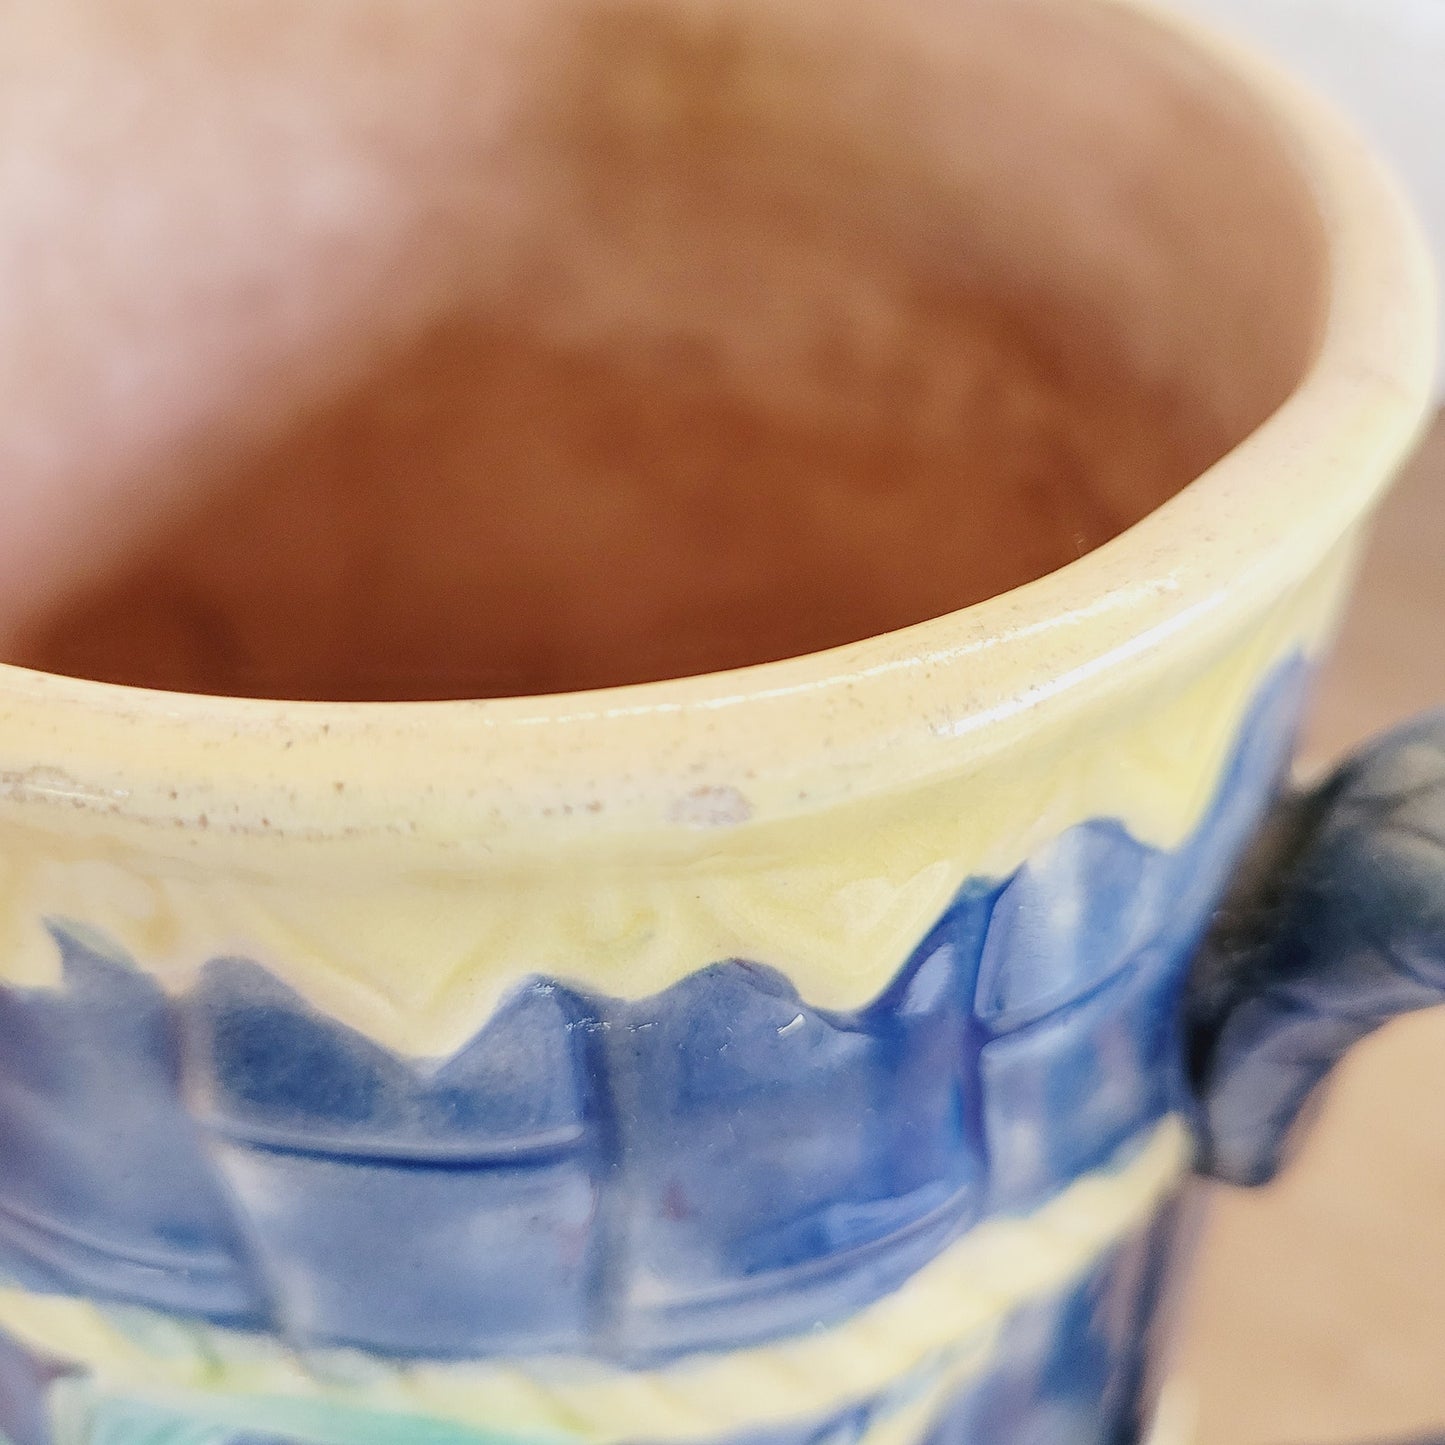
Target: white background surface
x: 1382, y: 60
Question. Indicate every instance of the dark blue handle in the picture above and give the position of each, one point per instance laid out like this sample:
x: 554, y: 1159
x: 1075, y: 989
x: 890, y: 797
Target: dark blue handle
x: 1336, y: 926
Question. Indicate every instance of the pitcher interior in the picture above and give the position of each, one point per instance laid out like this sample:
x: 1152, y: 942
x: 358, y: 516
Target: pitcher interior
x: 809, y: 327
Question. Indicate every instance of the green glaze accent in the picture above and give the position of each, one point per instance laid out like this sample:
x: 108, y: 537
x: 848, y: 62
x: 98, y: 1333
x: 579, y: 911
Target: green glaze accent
x: 85, y: 1415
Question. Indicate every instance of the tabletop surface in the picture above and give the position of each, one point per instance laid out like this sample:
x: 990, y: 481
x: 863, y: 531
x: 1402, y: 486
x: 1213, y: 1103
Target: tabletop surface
x: 1318, y: 1310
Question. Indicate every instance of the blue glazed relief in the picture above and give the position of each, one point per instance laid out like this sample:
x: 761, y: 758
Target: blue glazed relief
x: 715, y: 1166
x: 1074, y: 1367
x: 1068, y: 1367
x: 482, y: 1175
x: 106, y: 1189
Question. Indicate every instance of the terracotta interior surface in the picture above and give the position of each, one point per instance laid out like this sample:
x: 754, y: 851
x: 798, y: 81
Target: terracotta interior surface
x: 807, y: 330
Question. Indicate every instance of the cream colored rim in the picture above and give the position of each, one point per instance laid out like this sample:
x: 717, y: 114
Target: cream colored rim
x: 792, y: 737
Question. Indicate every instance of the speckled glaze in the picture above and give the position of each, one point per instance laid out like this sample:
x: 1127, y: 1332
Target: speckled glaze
x: 792, y: 1055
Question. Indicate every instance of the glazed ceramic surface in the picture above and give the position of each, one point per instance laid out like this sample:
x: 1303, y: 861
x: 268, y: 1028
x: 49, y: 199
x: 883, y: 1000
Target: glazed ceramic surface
x: 719, y: 1210
x: 792, y: 1056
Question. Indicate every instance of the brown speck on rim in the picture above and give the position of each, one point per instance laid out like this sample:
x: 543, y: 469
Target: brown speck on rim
x: 711, y: 807
x: 203, y: 821
x: 339, y: 785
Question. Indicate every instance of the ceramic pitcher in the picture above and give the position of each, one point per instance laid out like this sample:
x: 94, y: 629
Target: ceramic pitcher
x: 791, y: 1021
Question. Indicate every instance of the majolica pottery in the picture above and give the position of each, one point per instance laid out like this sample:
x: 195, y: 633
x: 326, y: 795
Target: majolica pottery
x: 816, y: 1050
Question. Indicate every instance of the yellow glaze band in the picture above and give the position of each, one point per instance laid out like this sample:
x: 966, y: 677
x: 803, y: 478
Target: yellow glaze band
x: 418, y: 962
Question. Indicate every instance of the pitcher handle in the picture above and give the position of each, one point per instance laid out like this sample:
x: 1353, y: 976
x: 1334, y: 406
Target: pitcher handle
x: 1336, y: 925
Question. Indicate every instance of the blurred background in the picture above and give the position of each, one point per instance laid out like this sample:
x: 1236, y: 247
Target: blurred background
x: 1381, y: 60
x: 1318, y: 1314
